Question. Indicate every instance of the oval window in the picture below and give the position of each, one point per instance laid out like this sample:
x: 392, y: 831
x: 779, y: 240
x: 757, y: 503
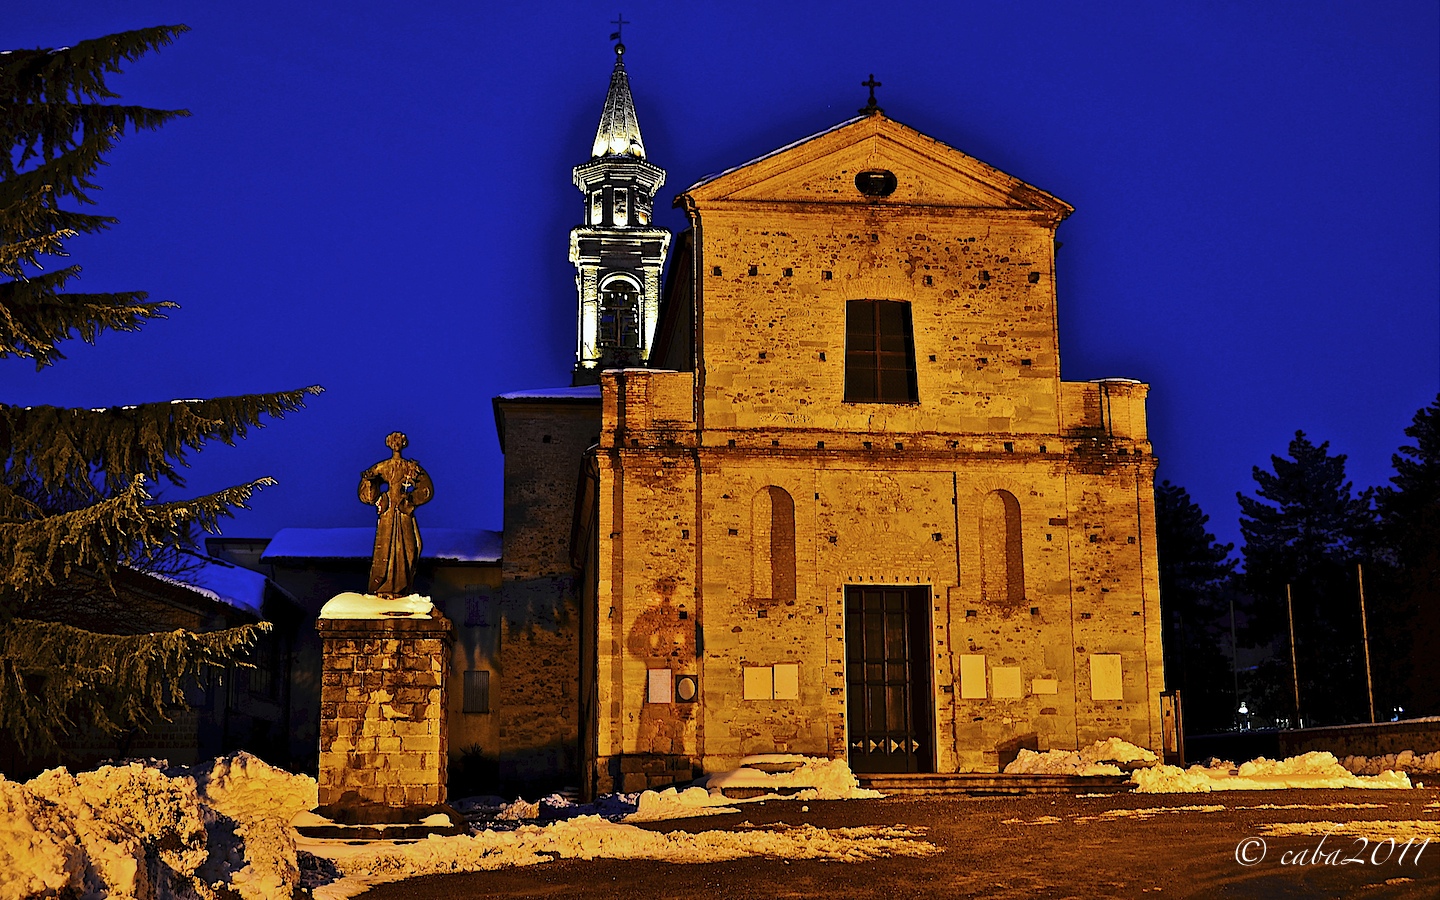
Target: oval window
x: 876, y: 182
x: 686, y: 688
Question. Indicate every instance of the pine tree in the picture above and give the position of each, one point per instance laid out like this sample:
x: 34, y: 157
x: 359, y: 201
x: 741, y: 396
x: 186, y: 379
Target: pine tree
x: 75, y: 501
x: 1196, y: 574
x: 1409, y: 607
x: 1309, y: 535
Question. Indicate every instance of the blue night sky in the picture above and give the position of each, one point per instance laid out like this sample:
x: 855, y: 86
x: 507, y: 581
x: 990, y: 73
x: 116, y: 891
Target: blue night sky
x: 377, y: 198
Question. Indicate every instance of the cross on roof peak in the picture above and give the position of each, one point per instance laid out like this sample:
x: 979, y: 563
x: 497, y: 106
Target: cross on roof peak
x: 871, y: 108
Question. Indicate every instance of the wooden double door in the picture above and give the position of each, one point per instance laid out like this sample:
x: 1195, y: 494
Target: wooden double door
x: 887, y: 673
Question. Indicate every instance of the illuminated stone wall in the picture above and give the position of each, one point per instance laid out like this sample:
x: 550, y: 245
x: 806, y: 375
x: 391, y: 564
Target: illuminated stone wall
x: 1000, y: 467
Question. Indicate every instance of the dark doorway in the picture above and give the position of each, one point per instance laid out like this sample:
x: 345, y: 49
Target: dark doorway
x: 887, y: 675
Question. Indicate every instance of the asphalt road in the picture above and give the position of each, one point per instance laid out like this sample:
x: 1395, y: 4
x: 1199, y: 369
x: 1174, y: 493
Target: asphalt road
x: 1007, y: 848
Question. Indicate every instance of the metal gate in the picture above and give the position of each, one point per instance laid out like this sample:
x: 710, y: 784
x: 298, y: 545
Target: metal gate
x: 887, y: 675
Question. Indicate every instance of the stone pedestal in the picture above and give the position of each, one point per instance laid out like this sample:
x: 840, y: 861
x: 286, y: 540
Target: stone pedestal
x: 383, y: 743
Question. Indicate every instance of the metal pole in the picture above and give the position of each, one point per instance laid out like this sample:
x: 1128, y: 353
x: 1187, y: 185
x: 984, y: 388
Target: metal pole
x: 1234, y: 662
x: 1294, y: 666
x: 1365, y: 637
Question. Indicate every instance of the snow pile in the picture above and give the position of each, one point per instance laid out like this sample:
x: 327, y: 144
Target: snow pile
x: 591, y: 837
x: 1309, y: 770
x: 1117, y: 751
x: 1097, y: 759
x: 260, y: 800
x: 39, y: 853
x: 1058, y: 762
x: 812, y: 778
x: 673, y: 804
x: 128, y: 831
x: 1405, y: 761
x: 135, y: 830
x: 519, y: 809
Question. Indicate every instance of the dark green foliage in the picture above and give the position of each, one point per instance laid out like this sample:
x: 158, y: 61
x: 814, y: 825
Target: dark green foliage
x: 1305, y: 527
x: 56, y: 133
x: 1196, y: 574
x: 73, y: 500
x: 1409, y: 588
x: 44, y: 551
x: 55, y: 676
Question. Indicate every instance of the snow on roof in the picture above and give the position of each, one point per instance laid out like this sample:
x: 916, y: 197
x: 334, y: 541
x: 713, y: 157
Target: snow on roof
x: 583, y: 392
x: 220, y: 581
x: 459, y: 544
x: 709, y: 178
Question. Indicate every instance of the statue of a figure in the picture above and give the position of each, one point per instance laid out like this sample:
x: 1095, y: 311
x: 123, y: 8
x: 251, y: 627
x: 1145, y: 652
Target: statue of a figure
x: 395, y: 487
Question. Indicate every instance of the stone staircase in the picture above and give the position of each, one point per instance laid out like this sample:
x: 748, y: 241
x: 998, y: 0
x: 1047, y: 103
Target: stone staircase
x: 985, y: 783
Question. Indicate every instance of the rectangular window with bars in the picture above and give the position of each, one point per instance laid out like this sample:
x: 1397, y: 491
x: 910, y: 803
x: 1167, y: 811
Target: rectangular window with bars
x: 879, y: 352
x: 477, y: 691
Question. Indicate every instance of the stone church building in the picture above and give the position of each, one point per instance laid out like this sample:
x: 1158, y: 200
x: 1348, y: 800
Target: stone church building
x: 819, y: 490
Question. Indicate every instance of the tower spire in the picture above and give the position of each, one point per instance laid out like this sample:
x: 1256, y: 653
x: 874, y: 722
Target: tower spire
x: 619, y: 131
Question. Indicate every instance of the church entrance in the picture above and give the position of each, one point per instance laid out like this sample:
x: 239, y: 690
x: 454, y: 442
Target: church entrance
x: 887, y: 679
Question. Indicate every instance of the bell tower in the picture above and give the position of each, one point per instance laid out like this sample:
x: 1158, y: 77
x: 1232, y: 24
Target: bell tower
x: 618, y: 253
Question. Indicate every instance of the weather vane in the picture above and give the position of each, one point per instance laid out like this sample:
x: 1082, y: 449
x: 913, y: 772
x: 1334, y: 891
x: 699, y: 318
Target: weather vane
x: 619, y: 23
x: 871, y: 108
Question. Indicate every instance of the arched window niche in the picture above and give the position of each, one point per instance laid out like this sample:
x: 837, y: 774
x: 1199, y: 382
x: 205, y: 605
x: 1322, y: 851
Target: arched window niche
x: 772, y: 544
x: 619, y: 314
x: 1002, y: 560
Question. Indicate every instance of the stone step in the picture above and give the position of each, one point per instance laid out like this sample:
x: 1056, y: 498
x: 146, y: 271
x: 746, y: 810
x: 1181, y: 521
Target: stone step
x: 993, y: 783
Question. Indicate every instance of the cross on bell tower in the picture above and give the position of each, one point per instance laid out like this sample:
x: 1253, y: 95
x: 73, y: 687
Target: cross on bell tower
x: 618, y: 253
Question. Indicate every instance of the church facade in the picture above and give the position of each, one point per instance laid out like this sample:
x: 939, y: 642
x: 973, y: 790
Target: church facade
x: 838, y: 501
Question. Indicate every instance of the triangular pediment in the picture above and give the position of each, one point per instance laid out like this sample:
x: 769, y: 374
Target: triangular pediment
x: 823, y: 167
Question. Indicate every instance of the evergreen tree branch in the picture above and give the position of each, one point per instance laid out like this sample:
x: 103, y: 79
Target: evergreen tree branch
x: 54, y: 675
x: 41, y: 553
x: 53, y: 447
x: 35, y: 317
x: 79, y: 70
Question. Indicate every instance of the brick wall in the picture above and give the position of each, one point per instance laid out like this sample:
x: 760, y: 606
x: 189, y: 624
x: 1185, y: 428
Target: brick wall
x: 383, y: 712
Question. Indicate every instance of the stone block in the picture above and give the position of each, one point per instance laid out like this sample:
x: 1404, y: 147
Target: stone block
x: 631, y: 764
x: 633, y: 781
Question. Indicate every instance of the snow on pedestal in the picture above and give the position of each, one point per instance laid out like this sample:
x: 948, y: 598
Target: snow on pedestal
x: 383, y: 741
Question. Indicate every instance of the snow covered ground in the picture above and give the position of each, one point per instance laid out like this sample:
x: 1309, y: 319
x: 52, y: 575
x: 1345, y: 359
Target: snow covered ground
x: 592, y: 837
x: 142, y: 829
x: 223, y: 828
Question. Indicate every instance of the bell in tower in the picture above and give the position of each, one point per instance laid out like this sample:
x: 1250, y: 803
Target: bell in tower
x: 618, y: 254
